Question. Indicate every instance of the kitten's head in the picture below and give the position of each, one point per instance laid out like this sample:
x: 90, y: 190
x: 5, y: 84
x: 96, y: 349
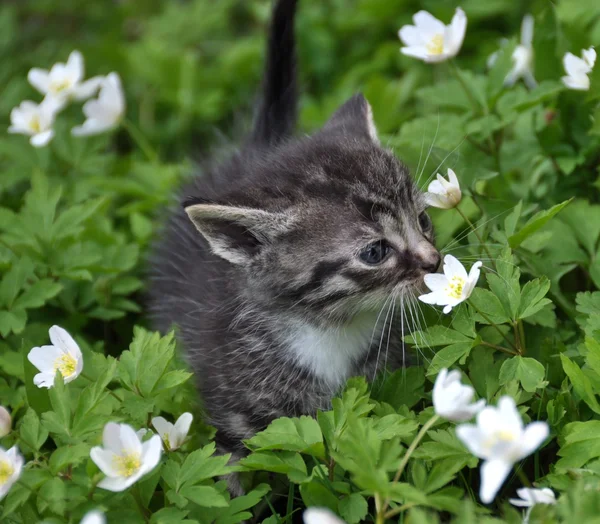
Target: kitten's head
x: 325, y: 226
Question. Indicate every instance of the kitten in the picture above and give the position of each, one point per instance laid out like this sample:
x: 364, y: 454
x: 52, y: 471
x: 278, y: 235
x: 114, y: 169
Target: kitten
x: 282, y: 259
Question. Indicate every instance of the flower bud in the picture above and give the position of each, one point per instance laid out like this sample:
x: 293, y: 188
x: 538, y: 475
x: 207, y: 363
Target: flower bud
x: 5, y: 422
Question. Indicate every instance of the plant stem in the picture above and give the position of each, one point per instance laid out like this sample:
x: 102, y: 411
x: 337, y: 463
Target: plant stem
x: 494, y: 326
x: 522, y: 335
x: 393, y: 512
x: 140, y: 140
x: 499, y: 348
x: 521, y: 474
x: 474, y: 229
x: 457, y: 73
x: 381, y: 513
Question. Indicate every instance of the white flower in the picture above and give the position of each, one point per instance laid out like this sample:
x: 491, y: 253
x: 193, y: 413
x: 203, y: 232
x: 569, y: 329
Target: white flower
x: 106, y: 111
x: 64, y: 82
x: 123, y: 458
x: 320, y: 516
x: 578, y: 69
x: 453, y: 287
x: 173, y: 435
x: 5, y: 422
x: 529, y: 497
x: 93, y: 517
x: 452, y: 400
x: 443, y: 193
x: 500, y: 439
x: 11, y: 464
x: 34, y: 120
x: 432, y: 41
x: 63, y: 355
x: 522, y: 57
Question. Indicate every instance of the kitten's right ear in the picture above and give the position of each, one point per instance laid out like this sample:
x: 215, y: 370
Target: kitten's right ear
x: 354, y: 119
x: 235, y: 233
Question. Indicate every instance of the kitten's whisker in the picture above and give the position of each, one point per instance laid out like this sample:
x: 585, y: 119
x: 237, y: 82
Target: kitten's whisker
x: 430, y: 148
x: 445, y: 158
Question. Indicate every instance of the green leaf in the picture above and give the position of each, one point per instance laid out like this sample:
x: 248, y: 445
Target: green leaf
x: 536, y: 222
x: 31, y: 431
x: 532, y: 297
x: 528, y: 371
x: 404, y: 387
x: 201, y: 465
x: 291, y: 434
x: 52, y: 495
x: 581, y: 444
x: 437, y: 336
x: 205, y: 496
x: 581, y: 383
x: 317, y: 494
x: 68, y: 456
x: 489, y: 304
x: 445, y: 358
x: 353, y: 508
x: 285, y: 462
x: 238, y: 506
x: 38, y: 294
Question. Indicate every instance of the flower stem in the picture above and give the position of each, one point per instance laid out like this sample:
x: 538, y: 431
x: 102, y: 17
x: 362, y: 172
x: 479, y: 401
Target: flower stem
x: 404, y: 462
x: 140, y: 140
x: 499, y: 348
x: 399, y: 509
x: 494, y: 326
x: 522, y: 335
x: 474, y: 229
x: 521, y: 474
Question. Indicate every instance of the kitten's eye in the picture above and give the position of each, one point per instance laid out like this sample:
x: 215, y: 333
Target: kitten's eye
x: 375, y: 253
x: 425, y: 222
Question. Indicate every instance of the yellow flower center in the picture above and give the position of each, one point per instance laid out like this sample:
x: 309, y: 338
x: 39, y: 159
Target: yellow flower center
x: 59, y: 85
x: 35, y: 124
x: 166, y: 441
x: 436, y: 45
x: 128, y: 465
x: 6, y: 471
x: 66, y: 364
x: 455, y: 287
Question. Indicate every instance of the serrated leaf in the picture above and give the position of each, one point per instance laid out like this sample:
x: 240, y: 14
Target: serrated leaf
x: 581, y: 383
x: 31, y: 431
x: 204, y: 496
x: 353, y: 508
x: 528, y: 371
x: 536, y: 222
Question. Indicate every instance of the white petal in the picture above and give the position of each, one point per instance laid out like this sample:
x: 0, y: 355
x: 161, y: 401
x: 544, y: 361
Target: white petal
x: 533, y: 437
x: 105, y: 460
x: 111, y: 438
x: 416, y: 52
x: 320, y: 516
x: 447, y: 309
x: 520, y: 503
x: 93, y: 517
x: 452, y: 267
x: 527, y: 30
x: 88, y: 88
x: 130, y: 442
x: 182, y: 426
x: 458, y: 28
x: 74, y: 66
x: 44, y: 380
x: 117, y: 484
x: 575, y: 66
x: 162, y: 426
x: 579, y: 83
x: 435, y: 298
x: 428, y: 24
x: 42, y: 139
x: 151, y: 452
x: 410, y: 36
x: 39, y: 79
x: 44, y: 357
x: 61, y: 338
x: 471, y: 437
x: 439, y: 201
x: 437, y: 186
x: 435, y: 281
x: 453, y: 178
x: 493, y: 475
x: 91, y: 127
x: 589, y: 55
x: 472, y: 279
x: 508, y: 414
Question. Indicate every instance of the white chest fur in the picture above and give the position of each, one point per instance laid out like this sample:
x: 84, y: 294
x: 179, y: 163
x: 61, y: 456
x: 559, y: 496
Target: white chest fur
x: 331, y: 353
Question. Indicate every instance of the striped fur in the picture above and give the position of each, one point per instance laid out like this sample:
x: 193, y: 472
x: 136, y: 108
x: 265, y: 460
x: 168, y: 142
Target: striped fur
x: 261, y: 271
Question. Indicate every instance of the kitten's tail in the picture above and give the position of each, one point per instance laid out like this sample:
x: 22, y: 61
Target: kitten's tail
x: 275, y: 118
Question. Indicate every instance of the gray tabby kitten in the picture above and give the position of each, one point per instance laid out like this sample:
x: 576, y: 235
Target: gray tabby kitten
x: 281, y: 260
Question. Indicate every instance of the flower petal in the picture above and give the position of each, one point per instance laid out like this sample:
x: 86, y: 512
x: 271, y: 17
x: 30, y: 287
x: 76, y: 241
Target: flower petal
x: 151, y: 452
x: 74, y: 66
x: 453, y: 267
x: 105, y: 460
x: 93, y: 517
x: 428, y: 25
x: 439, y: 201
x: 316, y: 515
x: 416, y: 52
x: 162, y: 426
x: 111, y: 438
x: 88, y: 88
x: 527, y: 30
x: 42, y: 139
x: 471, y: 437
x: 130, y: 442
x: 44, y: 380
x: 182, y: 426
x: 589, y: 55
x: 117, y: 484
x: 435, y: 281
x: 43, y: 358
x: 39, y: 79
x: 410, y: 36
x: 493, y: 475
x: 579, y: 83
x: 533, y: 437
x: 458, y: 28
x: 61, y: 339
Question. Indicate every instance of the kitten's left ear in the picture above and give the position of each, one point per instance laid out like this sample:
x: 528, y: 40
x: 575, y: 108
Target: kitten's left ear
x: 354, y: 119
x: 235, y: 233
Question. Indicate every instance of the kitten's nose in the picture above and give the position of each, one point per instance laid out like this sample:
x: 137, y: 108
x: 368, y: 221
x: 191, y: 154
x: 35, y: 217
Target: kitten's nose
x: 431, y: 261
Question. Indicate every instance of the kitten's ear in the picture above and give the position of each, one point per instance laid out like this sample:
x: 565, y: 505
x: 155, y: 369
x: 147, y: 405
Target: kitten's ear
x: 235, y: 233
x: 354, y: 119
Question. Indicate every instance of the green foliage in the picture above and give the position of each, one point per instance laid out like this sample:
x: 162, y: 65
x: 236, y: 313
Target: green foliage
x: 77, y: 218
